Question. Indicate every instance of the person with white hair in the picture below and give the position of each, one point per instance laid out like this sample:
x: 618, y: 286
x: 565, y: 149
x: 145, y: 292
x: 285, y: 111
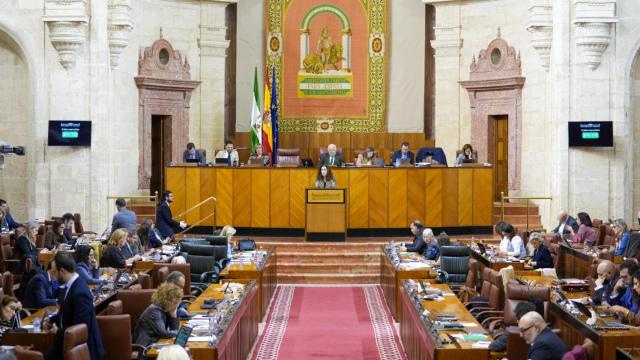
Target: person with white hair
x: 544, y: 344
x: 332, y: 157
x: 433, y: 251
x: 173, y: 352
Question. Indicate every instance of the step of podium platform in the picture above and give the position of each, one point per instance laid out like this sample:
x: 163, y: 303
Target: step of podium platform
x: 326, y: 258
x: 332, y: 279
x: 340, y: 268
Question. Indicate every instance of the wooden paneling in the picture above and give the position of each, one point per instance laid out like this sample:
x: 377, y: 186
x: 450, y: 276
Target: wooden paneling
x: 358, y: 199
x: 342, y: 178
x: 279, y: 198
x: 378, y: 198
x: 482, y: 196
x: 176, y: 183
x: 450, y: 199
x: 415, y: 195
x: 398, y: 198
x: 465, y: 197
x: 433, y: 199
x: 260, y: 185
x: 298, y: 182
x: 207, y: 189
x: 242, y: 198
x: 192, y: 196
x: 224, y: 193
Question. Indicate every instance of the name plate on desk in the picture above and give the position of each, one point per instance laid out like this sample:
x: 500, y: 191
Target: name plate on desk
x: 325, y: 196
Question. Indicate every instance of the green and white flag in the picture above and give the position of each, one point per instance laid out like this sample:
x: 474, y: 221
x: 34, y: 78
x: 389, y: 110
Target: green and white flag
x: 256, y: 115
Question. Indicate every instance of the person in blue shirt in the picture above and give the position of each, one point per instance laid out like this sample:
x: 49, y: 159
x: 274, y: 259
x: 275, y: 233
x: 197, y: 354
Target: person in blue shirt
x: 124, y: 218
x: 622, y: 236
x: 433, y: 251
x: 622, y: 293
x: 7, y: 220
x: 541, y: 256
x: 87, y: 266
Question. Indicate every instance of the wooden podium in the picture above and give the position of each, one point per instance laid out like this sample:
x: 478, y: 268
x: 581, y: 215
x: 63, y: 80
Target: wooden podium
x: 326, y: 215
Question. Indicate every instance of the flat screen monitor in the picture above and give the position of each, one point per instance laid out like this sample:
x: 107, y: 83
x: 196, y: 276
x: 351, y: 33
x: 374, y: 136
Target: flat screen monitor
x: 590, y: 134
x: 69, y: 133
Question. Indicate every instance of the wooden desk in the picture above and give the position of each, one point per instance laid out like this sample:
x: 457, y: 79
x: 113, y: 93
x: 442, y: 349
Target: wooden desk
x: 41, y: 341
x: 377, y: 198
x: 498, y: 263
x: 417, y: 339
x: 391, y: 280
x: 237, y: 339
x: 574, y: 263
x: 266, y: 278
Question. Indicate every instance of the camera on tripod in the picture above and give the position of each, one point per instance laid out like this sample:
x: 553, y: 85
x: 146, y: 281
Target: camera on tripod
x: 8, y: 149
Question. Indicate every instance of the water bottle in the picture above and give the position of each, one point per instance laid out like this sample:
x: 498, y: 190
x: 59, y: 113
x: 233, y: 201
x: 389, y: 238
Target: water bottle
x: 37, y: 325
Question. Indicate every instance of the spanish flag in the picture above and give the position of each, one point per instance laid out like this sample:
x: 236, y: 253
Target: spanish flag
x: 267, y: 133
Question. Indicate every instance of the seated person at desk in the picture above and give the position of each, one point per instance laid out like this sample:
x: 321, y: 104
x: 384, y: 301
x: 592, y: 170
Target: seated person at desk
x: 366, y: 158
x: 26, y: 244
x: 193, y: 155
x: 622, y: 292
x: 541, y: 256
x: 632, y: 314
x: 124, y: 218
x: 134, y: 246
x: 500, y: 337
x: 259, y: 157
x: 428, y: 158
x: 149, y: 236
x: 604, y: 283
x: 160, y: 319
x: 585, y: 233
x: 7, y: 221
x: 173, y: 352
x: 432, y: 251
x: 544, y: 344
x: 418, y: 244
x: 69, y: 222
x: 10, y: 309
x: 402, y: 154
x: 511, y: 243
x: 40, y: 290
x: 565, y: 221
x: 325, y: 179
x: 331, y: 157
x: 114, y: 256
x: 55, y: 236
x: 466, y: 154
x: 622, y: 236
x: 230, y: 154
x: 87, y: 266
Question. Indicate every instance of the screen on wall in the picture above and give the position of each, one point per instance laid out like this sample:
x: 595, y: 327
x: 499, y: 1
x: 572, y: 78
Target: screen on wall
x: 69, y: 133
x: 590, y: 133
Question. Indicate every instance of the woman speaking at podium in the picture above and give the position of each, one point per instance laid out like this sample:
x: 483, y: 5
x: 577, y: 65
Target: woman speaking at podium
x: 325, y: 179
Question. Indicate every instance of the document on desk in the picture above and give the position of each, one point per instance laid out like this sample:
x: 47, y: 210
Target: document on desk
x: 200, y: 339
x: 481, y: 345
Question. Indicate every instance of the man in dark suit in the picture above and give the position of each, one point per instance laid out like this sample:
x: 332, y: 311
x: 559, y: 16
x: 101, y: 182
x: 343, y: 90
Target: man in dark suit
x: 164, y: 219
x: 39, y: 292
x: 418, y: 245
x: 544, y: 344
x: 403, y: 153
x: 7, y: 222
x: 192, y: 154
x: 75, y: 307
x: 331, y: 157
x: 564, y: 222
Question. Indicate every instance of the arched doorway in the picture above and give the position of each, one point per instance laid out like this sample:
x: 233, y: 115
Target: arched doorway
x: 15, y: 124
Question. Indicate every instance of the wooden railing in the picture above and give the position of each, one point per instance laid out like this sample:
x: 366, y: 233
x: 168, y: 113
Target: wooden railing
x: 183, y: 215
x: 526, y: 198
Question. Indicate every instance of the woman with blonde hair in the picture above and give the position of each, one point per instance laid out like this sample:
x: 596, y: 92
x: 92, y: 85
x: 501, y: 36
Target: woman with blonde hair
x: 26, y: 244
x: 160, y: 319
x: 115, y: 255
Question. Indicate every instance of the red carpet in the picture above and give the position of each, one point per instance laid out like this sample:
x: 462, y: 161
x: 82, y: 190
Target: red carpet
x: 329, y: 323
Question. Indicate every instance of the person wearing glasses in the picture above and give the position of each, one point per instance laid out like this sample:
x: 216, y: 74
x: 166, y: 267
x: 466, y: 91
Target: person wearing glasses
x: 544, y: 344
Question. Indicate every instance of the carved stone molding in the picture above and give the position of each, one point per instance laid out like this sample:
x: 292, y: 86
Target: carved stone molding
x: 447, y: 42
x: 593, y: 20
x: 495, y: 88
x: 119, y: 27
x: 540, y: 26
x: 164, y: 88
x: 212, y: 41
x: 67, y: 21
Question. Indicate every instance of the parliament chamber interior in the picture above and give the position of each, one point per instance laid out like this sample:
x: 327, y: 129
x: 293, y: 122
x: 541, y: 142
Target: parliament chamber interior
x: 319, y: 179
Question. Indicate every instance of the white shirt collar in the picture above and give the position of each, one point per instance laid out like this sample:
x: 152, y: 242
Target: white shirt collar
x: 69, y: 283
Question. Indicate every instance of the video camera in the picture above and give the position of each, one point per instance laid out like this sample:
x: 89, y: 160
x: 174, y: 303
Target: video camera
x: 8, y: 149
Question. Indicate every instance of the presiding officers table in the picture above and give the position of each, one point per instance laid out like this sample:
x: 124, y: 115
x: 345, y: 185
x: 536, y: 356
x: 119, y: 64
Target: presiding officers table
x: 377, y: 198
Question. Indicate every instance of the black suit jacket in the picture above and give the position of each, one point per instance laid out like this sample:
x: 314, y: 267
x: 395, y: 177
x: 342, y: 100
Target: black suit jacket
x: 418, y: 245
x: 198, y: 155
x: 39, y: 292
x: 24, y: 249
x: 542, y: 257
x: 337, y: 161
x: 164, y: 221
x: 570, y: 222
x: 77, y: 308
x: 398, y: 155
x: 154, y: 324
x: 547, y: 346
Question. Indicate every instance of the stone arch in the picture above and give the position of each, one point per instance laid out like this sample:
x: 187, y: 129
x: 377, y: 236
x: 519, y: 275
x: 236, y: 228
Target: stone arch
x: 18, y: 94
x: 345, y: 27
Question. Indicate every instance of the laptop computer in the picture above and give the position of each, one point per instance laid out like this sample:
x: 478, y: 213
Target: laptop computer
x: 222, y: 161
x: 482, y: 249
x: 183, y: 335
